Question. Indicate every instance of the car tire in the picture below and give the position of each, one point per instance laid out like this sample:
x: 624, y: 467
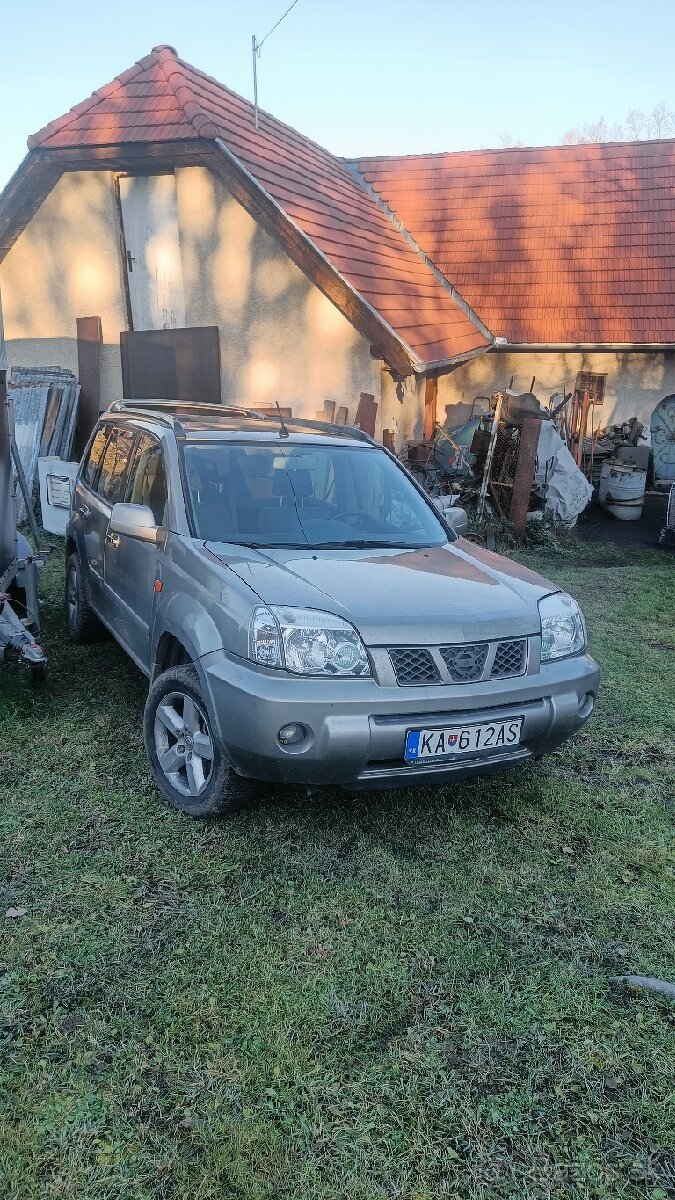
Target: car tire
x: 83, y: 624
x: 188, y: 765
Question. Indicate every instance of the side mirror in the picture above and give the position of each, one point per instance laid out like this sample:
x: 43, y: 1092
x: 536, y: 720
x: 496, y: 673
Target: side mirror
x: 134, y: 520
x: 457, y: 519
x: 453, y: 516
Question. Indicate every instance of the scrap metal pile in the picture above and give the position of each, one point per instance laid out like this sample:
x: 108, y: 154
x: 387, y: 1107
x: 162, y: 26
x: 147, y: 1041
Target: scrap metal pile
x: 511, y: 460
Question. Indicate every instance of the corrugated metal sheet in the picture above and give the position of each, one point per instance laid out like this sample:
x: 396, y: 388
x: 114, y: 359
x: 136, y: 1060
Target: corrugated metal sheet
x: 44, y: 402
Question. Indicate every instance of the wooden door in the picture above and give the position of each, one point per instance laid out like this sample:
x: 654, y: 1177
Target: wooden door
x: 152, y: 251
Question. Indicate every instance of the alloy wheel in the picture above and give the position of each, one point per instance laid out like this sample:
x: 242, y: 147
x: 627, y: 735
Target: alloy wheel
x: 184, y: 743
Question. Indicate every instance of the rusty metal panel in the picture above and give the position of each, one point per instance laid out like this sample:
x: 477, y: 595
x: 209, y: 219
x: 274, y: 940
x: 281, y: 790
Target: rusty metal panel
x: 171, y: 364
x: 524, y: 475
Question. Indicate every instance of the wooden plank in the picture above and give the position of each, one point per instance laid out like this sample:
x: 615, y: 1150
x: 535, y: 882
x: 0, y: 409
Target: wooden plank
x: 430, y: 399
x: 366, y: 413
x: 341, y: 416
x: 329, y: 411
x: 524, y: 476
x: 89, y: 339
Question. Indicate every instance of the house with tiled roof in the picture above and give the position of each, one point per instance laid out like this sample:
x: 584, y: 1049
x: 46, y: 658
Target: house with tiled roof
x: 255, y: 262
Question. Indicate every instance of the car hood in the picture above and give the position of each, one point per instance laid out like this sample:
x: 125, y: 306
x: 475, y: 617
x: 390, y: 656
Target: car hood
x: 451, y: 593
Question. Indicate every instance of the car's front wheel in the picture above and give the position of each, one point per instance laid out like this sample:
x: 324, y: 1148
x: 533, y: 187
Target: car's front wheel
x: 188, y: 765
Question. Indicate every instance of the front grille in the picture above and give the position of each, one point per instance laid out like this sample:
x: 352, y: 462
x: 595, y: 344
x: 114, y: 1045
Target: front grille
x: 509, y: 659
x: 465, y: 663
x: 413, y: 664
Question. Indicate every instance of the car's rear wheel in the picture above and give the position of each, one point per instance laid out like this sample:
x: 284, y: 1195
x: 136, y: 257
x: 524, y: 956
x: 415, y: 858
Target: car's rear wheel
x: 188, y: 765
x: 83, y: 624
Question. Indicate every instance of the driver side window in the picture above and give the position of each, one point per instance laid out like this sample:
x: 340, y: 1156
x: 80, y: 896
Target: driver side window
x: 147, y: 478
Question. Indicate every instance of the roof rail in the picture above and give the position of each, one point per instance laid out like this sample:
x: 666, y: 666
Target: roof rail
x: 171, y: 407
x: 169, y: 411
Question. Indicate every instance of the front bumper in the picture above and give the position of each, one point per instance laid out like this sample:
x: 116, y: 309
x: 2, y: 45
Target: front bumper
x: 356, y: 728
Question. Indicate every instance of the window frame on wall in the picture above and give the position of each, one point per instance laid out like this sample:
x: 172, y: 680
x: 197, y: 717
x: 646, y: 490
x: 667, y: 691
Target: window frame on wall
x: 592, y: 382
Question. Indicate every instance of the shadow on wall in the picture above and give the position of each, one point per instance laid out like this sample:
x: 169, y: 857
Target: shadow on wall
x: 281, y: 339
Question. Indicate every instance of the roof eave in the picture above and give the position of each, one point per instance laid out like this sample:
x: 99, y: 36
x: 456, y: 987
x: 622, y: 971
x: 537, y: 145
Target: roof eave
x: 570, y: 347
x: 20, y: 199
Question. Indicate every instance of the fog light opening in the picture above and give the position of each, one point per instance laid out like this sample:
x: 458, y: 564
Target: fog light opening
x: 292, y: 734
x: 587, y: 705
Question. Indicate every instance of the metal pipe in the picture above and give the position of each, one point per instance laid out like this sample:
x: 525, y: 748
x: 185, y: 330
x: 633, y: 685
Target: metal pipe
x: 32, y: 602
x: 254, y: 46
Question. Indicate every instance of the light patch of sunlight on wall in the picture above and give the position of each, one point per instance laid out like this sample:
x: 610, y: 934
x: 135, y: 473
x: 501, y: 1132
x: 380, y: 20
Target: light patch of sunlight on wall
x: 325, y: 320
x: 162, y: 257
x: 231, y: 262
x: 162, y: 196
x: 91, y: 285
x: 196, y: 201
x: 263, y: 379
x: 273, y: 277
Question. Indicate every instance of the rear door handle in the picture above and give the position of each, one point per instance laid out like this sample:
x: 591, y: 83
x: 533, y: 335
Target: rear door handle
x: 85, y: 511
x: 112, y: 539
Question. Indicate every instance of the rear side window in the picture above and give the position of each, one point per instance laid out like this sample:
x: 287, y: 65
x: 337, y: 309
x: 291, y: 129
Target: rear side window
x: 114, y: 465
x: 147, y: 479
x: 95, y: 454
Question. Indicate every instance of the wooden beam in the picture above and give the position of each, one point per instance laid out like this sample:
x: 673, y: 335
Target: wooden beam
x: 430, y: 399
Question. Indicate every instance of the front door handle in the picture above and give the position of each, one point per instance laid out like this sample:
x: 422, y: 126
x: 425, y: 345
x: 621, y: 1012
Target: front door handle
x: 112, y: 539
x: 85, y: 511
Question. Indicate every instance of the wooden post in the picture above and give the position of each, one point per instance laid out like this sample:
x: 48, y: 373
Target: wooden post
x: 524, y: 476
x: 430, y: 399
x: 89, y: 338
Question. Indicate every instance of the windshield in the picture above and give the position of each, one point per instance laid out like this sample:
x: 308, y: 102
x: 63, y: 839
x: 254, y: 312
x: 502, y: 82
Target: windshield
x: 322, y: 496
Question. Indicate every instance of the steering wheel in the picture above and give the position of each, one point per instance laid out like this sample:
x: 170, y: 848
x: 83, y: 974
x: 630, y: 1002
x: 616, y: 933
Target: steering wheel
x: 366, y: 520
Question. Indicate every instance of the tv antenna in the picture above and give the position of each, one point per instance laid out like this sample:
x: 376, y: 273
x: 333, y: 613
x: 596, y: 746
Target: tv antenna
x: 256, y: 48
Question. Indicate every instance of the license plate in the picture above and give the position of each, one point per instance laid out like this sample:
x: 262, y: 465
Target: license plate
x: 424, y: 744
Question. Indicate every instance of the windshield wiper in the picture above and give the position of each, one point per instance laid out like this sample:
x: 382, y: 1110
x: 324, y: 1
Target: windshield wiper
x: 364, y: 544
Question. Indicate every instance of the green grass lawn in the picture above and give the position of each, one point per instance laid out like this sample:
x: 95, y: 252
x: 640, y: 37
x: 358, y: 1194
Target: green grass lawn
x: 400, y: 996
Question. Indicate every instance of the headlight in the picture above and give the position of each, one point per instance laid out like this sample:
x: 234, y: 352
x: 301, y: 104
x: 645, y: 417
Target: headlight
x: 306, y: 642
x: 563, y: 630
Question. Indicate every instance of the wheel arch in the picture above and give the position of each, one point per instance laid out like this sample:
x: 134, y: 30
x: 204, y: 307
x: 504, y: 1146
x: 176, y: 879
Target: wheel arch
x: 170, y: 652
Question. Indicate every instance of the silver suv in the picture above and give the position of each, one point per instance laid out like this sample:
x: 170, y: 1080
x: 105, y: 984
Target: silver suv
x: 304, y: 613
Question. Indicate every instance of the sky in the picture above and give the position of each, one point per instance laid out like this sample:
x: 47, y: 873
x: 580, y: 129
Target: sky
x: 359, y: 76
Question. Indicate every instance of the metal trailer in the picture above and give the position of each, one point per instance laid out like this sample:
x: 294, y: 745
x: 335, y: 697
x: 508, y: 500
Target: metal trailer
x: 19, y: 630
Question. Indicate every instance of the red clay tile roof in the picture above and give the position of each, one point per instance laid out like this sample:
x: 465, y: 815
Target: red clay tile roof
x: 552, y: 244
x: 163, y: 98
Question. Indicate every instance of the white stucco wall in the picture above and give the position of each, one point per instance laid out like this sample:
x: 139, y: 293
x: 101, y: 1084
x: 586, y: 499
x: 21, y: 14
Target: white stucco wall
x: 66, y: 264
x: 280, y: 338
x: 636, y: 381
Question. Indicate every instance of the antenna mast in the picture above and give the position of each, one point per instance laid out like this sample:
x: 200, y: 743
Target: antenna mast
x: 256, y: 47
